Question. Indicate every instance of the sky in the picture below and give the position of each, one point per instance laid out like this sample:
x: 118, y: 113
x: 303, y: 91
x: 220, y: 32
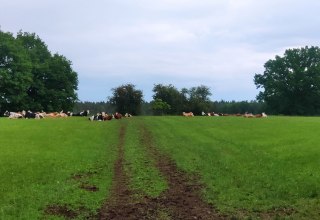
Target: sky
x: 220, y: 44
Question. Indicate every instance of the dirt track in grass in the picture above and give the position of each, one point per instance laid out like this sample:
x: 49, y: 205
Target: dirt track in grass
x: 180, y: 201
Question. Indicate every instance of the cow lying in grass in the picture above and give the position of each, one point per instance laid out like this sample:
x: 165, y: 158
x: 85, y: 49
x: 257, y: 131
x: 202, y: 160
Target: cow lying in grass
x: 13, y: 115
x: 83, y: 113
x: 30, y: 114
x: 102, y: 116
x: 187, y: 114
x: 250, y: 115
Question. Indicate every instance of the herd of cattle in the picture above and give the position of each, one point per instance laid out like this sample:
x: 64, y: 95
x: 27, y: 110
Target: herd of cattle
x: 102, y: 116
x: 40, y: 115
x: 246, y: 115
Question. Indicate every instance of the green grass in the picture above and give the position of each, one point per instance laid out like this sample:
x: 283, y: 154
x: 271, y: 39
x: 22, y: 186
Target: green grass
x: 39, y: 158
x: 145, y: 179
x: 248, y: 164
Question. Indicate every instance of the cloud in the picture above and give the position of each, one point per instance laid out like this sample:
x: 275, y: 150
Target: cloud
x: 221, y: 44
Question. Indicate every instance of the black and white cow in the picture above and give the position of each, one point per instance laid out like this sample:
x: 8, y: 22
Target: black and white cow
x: 83, y: 113
x: 30, y: 114
x: 13, y: 115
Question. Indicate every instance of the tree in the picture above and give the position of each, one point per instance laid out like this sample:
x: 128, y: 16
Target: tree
x: 33, y: 79
x: 15, y: 73
x: 170, y: 95
x: 54, y: 82
x: 160, y: 107
x: 127, y: 99
x: 199, y: 99
x: 292, y: 83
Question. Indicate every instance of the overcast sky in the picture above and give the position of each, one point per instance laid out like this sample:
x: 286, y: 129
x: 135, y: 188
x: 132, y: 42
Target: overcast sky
x: 217, y: 43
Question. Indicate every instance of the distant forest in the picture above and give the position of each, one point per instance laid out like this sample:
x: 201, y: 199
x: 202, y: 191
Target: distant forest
x: 228, y: 107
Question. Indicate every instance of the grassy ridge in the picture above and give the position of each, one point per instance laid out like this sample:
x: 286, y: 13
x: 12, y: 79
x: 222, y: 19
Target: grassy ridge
x: 40, y: 159
x: 252, y: 164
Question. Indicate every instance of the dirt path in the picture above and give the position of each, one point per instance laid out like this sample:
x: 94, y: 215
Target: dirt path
x: 180, y: 201
x: 183, y: 195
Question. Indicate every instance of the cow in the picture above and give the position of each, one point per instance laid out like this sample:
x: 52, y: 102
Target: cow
x: 127, y: 115
x: 187, y: 114
x: 30, y: 114
x: 13, y: 115
x: 83, y: 113
x: 97, y: 117
x: 117, y: 115
x: 248, y: 115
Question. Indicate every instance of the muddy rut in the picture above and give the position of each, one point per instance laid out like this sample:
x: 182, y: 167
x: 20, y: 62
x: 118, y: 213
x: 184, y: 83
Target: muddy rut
x: 180, y: 201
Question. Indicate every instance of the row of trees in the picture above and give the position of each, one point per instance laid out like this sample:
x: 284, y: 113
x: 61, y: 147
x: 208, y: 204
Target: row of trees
x: 167, y: 100
x: 147, y: 108
x: 33, y: 78
x: 290, y: 86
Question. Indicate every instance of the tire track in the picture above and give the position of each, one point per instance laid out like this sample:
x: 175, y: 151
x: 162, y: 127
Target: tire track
x: 182, y: 197
x: 120, y: 204
x: 180, y: 201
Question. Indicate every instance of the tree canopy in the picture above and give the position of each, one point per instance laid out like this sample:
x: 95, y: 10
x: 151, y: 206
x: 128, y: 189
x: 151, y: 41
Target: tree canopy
x: 127, y: 99
x: 31, y: 78
x: 171, y: 96
x: 292, y: 83
x: 195, y: 99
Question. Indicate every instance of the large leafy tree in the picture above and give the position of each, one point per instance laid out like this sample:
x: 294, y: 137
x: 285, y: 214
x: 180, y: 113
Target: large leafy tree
x: 127, y: 99
x: 199, y: 99
x: 33, y: 78
x: 159, y: 107
x: 171, y: 96
x: 15, y: 73
x: 292, y: 83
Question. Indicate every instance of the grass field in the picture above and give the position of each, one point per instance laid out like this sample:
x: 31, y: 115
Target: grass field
x: 248, y: 166
x: 46, y: 162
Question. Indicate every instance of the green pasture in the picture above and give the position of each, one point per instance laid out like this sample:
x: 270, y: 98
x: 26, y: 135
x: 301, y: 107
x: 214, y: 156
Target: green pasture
x: 250, y: 167
x: 46, y: 162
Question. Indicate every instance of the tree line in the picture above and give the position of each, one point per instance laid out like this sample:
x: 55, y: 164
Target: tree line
x: 290, y: 85
x: 167, y: 100
x: 32, y: 78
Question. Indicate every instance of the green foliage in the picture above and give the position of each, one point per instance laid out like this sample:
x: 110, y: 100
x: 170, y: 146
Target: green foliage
x: 32, y: 78
x: 127, y: 99
x: 233, y: 107
x: 199, y: 99
x: 292, y: 83
x: 195, y: 99
x: 170, y: 95
x: 94, y: 107
x: 15, y: 73
x: 248, y: 165
x: 160, y: 107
